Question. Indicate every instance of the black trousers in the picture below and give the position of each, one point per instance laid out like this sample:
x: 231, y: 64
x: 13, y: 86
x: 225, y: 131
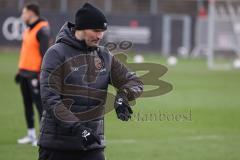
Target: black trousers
x: 48, y: 154
x: 30, y: 90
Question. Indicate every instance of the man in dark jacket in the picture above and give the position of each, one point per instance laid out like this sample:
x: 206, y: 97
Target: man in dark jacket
x: 74, y: 79
x: 34, y: 45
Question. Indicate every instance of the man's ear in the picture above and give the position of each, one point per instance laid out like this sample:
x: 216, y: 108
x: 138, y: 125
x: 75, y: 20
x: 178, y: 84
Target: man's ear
x: 84, y: 33
x: 80, y: 34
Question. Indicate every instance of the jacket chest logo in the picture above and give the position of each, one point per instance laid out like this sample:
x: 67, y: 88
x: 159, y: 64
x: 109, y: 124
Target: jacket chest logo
x: 99, y: 65
x: 96, y: 64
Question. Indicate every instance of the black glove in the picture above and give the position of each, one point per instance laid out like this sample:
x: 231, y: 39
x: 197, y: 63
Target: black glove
x: 122, y: 106
x: 17, y: 78
x: 89, y: 137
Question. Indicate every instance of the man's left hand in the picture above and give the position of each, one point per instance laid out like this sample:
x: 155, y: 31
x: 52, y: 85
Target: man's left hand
x: 122, y: 106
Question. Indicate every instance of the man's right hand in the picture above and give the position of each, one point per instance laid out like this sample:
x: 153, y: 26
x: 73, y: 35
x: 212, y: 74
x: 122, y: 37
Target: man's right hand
x: 17, y: 78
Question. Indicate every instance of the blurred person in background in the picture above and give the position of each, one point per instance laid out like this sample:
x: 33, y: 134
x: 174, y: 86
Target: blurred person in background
x: 34, y: 44
x: 77, y: 54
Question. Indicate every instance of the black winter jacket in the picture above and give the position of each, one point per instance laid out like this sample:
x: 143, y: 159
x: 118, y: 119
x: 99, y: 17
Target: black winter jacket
x: 74, y: 79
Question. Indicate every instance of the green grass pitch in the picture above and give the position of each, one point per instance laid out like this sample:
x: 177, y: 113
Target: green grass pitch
x: 213, y: 133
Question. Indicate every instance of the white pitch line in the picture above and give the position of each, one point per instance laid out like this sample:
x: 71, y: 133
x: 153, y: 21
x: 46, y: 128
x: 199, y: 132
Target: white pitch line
x: 205, y: 137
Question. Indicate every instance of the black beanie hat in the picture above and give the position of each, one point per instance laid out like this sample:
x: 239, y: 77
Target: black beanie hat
x: 89, y: 17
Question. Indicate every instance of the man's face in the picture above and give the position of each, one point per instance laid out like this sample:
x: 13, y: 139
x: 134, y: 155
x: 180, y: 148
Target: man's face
x: 93, y: 36
x: 26, y: 15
